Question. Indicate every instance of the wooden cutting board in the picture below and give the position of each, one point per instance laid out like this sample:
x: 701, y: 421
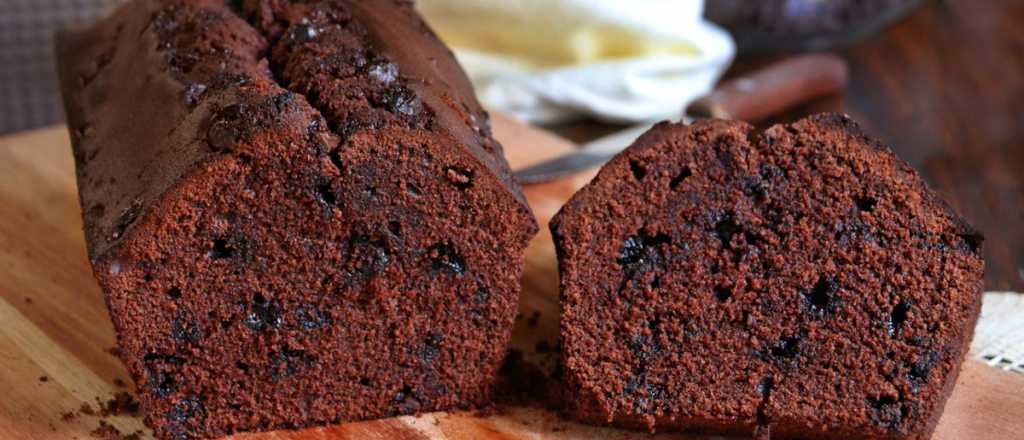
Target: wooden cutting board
x: 55, y: 335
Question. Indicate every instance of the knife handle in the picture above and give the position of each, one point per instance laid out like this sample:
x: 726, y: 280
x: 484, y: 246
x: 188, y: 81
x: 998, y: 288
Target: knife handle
x: 769, y: 90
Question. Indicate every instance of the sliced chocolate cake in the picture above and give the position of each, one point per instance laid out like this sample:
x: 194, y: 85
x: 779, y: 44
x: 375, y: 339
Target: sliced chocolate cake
x: 802, y: 282
x: 295, y: 210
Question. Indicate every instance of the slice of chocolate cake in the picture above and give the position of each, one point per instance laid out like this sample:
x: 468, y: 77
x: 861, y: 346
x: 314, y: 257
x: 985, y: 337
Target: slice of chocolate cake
x: 803, y: 282
x: 295, y: 210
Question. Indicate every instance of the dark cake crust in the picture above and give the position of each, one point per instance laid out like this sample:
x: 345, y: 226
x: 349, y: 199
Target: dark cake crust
x: 295, y: 210
x: 803, y: 282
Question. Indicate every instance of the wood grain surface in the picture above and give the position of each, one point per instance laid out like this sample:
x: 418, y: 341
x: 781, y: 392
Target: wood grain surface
x: 55, y: 334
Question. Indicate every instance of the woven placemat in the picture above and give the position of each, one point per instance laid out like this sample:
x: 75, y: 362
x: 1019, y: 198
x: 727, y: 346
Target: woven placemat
x: 28, y: 81
x: 999, y: 336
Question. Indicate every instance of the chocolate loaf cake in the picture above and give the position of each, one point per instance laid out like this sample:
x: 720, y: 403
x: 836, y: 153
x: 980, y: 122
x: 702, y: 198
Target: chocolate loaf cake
x: 295, y: 210
x: 802, y: 282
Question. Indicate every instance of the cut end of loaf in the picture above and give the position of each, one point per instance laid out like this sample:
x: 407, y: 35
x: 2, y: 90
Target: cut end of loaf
x: 802, y: 281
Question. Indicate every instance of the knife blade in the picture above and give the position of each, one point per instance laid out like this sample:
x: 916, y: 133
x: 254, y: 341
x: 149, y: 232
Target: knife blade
x: 752, y: 98
x: 588, y: 155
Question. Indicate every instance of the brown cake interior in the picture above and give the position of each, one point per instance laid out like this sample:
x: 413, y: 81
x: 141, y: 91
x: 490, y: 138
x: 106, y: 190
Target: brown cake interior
x: 802, y: 282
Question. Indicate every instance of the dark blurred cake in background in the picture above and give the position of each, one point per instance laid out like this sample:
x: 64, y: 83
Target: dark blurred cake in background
x: 798, y: 25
